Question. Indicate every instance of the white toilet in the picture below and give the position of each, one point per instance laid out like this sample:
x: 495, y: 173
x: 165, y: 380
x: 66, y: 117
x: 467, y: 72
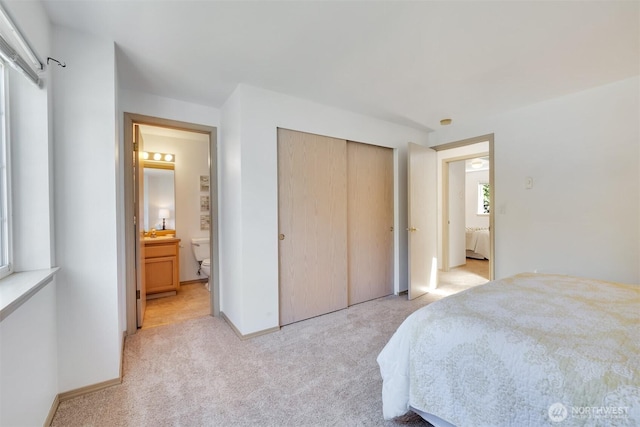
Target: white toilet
x: 200, y: 247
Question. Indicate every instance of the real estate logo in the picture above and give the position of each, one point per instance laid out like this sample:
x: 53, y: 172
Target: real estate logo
x: 558, y: 412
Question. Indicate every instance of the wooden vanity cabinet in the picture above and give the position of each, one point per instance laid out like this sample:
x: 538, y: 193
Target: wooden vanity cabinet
x: 162, y: 265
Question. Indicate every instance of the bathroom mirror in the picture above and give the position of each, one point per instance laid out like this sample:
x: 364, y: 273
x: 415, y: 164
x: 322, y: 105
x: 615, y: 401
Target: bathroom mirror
x: 159, y: 197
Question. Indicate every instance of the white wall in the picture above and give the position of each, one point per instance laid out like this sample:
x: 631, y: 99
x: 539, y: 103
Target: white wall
x: 472, y: 180
x: 28, y: 336
x: 255, y: 114
x: 230, y: 195
x: 582, y: 151
x: 131, y: 101
x: 28, y: 351
x: 191, y: 161
x: 84, y: 116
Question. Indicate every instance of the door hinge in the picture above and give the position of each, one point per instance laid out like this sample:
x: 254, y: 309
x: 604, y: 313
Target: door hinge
x: 138, y: 294
x: 135, y: 146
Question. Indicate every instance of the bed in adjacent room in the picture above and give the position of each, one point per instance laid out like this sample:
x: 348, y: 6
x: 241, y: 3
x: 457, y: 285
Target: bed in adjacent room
x: 527, y: 350
x: 478, y: 243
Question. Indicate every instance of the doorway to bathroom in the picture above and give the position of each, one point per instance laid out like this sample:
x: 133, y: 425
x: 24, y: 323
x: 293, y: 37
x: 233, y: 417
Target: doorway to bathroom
x: 171, y: 193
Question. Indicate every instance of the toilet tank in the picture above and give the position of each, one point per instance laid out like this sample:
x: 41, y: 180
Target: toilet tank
x: 200, y: 247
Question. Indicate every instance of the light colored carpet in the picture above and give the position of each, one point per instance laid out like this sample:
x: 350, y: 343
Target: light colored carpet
x: 321, y: 371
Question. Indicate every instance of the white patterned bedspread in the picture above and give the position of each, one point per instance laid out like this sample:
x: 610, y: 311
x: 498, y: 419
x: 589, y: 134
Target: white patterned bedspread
x: 529, y: 350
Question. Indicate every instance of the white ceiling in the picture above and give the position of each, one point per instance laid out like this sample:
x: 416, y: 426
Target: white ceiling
x: 413, y: 63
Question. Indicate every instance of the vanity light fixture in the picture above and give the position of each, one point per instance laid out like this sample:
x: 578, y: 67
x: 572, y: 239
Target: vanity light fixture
x: 445, y: 122
x: 159, y: 157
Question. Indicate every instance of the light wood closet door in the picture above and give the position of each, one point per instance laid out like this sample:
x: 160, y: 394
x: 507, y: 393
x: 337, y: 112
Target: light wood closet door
x: 370, y: 221
x: 312, y: 186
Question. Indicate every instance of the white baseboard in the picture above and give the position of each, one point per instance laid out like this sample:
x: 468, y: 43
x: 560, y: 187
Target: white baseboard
x: 88, y: 389
x: 247, y: 336
x: 61, y: 397
x: 52, y: 411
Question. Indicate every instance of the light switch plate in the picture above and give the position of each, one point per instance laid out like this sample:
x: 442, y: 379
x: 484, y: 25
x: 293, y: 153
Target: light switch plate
x: 528, y: 183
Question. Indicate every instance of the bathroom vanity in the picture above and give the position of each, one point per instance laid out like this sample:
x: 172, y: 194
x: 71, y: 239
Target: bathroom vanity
x: 162, y: 266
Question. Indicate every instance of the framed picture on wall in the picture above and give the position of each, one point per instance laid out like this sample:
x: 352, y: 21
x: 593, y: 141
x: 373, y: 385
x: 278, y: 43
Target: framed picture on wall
x: 205, y: 221
x: 204, y: 183
x: 204, y: 203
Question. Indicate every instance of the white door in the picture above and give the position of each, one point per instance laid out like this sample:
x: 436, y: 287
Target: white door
x: 138, y: 198
x: 422, y: 221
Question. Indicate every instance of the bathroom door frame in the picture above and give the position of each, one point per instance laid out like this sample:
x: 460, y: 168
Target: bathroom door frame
x: 130, y: 120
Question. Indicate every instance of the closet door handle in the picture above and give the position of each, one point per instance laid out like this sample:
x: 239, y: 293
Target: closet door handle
x: 413, y: 229
x: 281, y: 236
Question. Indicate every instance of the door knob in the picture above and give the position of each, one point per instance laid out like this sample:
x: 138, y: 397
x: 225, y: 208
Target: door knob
x: 281, y: 236
x: 412, y: 229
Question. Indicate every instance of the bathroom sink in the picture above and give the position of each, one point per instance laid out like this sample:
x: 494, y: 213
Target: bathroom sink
x: 159, y: 238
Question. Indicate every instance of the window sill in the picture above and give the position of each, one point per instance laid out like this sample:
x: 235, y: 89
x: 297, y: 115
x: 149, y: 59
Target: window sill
x: 17, y: 288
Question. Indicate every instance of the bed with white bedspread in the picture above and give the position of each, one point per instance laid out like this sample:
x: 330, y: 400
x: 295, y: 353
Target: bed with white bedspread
x: 478, y: 243
x: 528, y: 350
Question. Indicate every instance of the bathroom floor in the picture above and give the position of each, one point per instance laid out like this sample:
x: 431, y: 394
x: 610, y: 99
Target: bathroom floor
x: 191, y: 301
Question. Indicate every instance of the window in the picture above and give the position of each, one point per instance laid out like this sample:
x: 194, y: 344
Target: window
x: 483, y: 198
x: 5, y: 185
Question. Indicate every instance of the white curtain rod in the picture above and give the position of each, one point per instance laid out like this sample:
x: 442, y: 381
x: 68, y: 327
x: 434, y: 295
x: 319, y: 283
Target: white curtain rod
x: 10, y: 52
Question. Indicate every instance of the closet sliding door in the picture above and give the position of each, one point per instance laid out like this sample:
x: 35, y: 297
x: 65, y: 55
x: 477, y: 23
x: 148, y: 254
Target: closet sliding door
x: 312, y: 193
x: 370, y: 221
